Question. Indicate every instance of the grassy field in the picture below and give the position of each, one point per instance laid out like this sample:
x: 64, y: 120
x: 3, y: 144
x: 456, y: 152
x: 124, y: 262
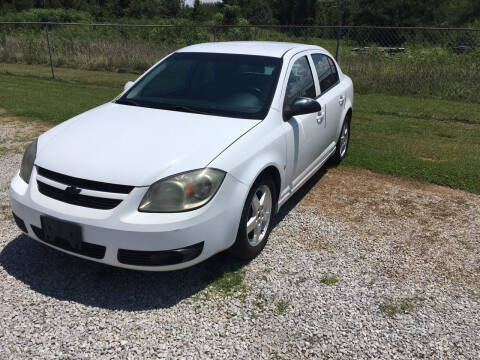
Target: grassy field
x: 429, y: 140
x: 428, y: 66
x: 421, y: 140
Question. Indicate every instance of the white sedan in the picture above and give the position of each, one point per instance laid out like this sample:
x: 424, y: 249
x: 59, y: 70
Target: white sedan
x: 193, y: 158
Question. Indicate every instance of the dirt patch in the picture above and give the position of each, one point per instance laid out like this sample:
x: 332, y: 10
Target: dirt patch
x: 15, y: 134
x: 424, y: 227
x: 429, y: 159
x: 18, y: 132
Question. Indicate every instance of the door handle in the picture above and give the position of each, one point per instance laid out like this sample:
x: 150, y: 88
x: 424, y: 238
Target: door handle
x: 341, y: 100
x: 320, y: 117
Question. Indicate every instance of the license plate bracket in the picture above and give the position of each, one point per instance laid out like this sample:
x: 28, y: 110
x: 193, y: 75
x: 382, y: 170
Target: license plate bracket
x: 55, y: 231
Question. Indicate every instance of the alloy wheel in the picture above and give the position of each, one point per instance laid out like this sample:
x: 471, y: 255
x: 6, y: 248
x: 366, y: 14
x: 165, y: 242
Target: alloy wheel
x: 344, y: 137
x: 260, y: 213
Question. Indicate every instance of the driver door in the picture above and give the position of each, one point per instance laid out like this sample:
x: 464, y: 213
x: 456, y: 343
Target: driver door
x: 305, y: 134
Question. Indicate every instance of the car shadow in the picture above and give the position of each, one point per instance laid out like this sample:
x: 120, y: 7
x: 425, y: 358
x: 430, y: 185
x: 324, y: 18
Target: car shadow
x: 300, y: 194
x: 68, y: 278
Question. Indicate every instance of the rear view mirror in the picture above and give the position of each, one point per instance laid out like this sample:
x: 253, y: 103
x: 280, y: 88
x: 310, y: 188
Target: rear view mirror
x: 300, y: 106
x: 128, y: 85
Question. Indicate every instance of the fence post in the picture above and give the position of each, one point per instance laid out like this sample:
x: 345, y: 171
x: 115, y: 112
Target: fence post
x: 214, y: 34
x: 339, y: 34
x: 49, y: 51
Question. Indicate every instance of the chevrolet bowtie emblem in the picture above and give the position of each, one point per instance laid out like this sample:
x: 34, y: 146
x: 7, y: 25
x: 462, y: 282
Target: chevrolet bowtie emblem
x: 72, y: 190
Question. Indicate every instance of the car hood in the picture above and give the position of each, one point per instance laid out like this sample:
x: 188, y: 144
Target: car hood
x: 137, y: 146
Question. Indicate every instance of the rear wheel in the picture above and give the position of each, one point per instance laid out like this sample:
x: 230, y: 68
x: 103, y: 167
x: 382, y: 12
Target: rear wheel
x: 342, y: 143
x: 257, y: 220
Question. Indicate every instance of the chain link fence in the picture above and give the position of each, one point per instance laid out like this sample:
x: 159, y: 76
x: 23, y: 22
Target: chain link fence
x: 440, y: 62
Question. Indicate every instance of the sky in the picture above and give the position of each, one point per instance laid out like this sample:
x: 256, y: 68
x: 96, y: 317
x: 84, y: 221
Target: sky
x: 190, y: 2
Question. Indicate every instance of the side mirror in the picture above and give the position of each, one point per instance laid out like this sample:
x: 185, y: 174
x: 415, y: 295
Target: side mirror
x: 128, y: 85
x: 300, y: 106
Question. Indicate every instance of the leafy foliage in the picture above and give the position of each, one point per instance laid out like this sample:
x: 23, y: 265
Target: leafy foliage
x: 285, y: 12
x: 53, y: 15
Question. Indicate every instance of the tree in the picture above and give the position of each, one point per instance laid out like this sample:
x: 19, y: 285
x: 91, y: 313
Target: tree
x: 411, y: 12
x: 258, y: 12
x: 304, y: 12
x: 231, y: 14
x: 457, y: 12
x: 283, y: 11
x: 15, y: 5
x: 171, y: 8
x: 286, y: 12
x: 198, y: 13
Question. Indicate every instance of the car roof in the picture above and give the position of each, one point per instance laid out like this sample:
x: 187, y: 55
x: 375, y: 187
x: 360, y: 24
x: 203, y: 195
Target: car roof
x: 259, y: 48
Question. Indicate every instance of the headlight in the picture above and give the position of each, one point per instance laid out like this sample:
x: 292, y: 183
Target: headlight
x: 27, y: 161
x: 182, y: 192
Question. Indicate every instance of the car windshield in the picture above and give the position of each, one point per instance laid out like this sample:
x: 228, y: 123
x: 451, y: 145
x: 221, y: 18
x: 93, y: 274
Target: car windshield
x: 218, y: 84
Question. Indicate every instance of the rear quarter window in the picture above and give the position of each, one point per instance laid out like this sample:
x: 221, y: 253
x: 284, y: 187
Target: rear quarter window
x: 326, y: 71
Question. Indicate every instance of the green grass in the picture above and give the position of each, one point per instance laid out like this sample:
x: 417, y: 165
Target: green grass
x: 281, y: 307
x: 51, y: 101
x: 72, y: 76
x: 430, y: 140
x: 419, y: 71
x: 261, y: 301
x: 230, y: 282
x: 393, y: 308
x: 418, y: 108
x: 29, y: 91
x: 329, y: 280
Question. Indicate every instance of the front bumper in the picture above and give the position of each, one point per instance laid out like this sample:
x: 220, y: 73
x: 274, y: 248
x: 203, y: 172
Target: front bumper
x: 125, y: 231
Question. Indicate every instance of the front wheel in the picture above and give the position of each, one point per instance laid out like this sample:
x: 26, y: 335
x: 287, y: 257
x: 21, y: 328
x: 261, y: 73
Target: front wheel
x: 342, y: 143
x: 256, y: 221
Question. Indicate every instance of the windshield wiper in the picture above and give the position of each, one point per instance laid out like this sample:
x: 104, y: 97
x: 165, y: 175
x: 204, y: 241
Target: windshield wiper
x: 180, y: 108
x: 164, y: 106
x: 127, y: 102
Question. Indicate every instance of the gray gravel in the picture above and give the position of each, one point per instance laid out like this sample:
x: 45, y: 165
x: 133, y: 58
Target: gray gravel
x: 317, y: 291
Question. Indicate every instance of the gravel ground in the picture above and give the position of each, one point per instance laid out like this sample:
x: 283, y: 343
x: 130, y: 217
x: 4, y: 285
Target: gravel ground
x: 387, y: 268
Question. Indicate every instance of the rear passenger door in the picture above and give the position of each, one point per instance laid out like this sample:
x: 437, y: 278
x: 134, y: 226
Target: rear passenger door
x: 332, y: 97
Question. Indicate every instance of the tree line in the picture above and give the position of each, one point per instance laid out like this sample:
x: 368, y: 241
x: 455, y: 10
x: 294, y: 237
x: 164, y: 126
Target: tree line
x: 283, y: 12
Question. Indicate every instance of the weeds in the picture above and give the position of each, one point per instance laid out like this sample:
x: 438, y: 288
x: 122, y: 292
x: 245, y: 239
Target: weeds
x: 5, y: 211
x: 393, y: 308
x: 260, y: 302
x: 301, y: 280
x: 313, y: 339
x: 329, y: 280
x: 423, y: 69
x: 281, y: 307
x: 230, y: 282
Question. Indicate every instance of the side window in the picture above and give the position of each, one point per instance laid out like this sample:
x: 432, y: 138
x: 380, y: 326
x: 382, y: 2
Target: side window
x: 326, y: 71
x: 300, y: 82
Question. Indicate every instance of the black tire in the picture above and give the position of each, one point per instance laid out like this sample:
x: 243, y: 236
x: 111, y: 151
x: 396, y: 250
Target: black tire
x: 242, y: 248
x: 338, y: 156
